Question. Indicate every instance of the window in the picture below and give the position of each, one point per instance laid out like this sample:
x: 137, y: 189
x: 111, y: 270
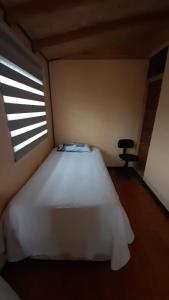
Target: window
x: 25, y: 107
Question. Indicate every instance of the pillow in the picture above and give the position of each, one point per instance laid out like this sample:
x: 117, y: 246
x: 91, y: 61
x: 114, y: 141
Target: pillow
x: 6, y: 292
x: 74, y: 147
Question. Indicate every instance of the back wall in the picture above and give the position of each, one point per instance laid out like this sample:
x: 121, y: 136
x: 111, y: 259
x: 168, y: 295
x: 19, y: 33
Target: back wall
x: 98, y: 102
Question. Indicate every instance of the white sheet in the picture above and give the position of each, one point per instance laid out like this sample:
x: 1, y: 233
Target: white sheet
x: 69, y: 209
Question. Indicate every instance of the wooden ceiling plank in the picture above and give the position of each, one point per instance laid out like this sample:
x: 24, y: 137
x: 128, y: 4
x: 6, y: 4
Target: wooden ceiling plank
x: 100, y: 28
x: 32, y: 7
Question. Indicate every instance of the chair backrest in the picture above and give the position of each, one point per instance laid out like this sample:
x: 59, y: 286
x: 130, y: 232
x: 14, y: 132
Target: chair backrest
x: 125, y: 143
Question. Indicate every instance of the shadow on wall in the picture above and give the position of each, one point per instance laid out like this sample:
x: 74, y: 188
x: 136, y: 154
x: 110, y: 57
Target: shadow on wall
x: 111, y: 160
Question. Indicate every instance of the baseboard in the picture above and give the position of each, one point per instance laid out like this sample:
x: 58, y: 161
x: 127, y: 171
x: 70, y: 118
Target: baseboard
x: 119, y: 167
x: 140, y: 179
x: 159, y: 203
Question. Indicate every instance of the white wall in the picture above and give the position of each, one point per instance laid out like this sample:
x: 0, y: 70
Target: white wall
x: 157, y: 167
x: 98, y: 102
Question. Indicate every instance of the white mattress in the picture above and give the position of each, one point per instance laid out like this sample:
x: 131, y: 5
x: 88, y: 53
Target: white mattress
x: 69, y: 209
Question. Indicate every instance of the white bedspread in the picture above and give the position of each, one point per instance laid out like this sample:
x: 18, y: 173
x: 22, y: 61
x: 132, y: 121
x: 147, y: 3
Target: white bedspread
x: 69, y: 209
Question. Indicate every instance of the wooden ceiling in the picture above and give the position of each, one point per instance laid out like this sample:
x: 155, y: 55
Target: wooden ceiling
x: 91, y: 28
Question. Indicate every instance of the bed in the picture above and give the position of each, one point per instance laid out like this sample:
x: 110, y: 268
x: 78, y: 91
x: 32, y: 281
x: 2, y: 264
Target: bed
x: 69, y: 209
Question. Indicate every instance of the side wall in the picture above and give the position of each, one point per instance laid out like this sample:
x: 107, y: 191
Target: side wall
x: 14, y: 174
x: 157, y: 167
x: 98, y: 102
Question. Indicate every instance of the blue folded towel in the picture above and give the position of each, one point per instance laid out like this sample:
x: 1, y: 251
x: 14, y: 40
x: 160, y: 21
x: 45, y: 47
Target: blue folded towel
x: 73, y: 148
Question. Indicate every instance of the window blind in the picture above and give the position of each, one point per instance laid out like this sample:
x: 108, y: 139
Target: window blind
x: 23, y: 96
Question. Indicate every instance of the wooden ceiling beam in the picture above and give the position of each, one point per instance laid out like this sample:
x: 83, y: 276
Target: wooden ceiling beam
x: 100, y: 28
x: 121, y: 51
x: 32, y: 7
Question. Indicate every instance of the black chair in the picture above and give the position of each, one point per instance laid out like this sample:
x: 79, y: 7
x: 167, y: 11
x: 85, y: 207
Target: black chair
x: 125, y: 144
